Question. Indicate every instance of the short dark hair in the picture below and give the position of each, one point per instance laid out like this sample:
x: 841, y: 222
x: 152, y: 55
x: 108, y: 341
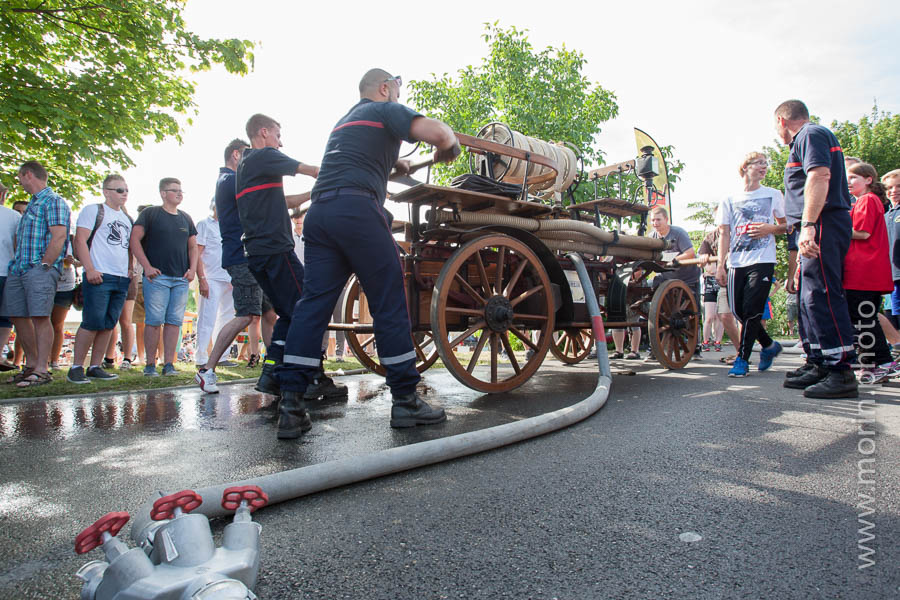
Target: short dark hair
x: 235, y: 144
x: 166, y: 181
x: 661, y: 210
x: 258, y: 122
x: 112, y: 177
x: 35, y: 168
x: 792, y: 110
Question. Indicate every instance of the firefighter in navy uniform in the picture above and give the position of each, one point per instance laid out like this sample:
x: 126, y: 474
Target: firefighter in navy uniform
x: 269, y: 242
x: 816, y: 195
x: 347, y: 230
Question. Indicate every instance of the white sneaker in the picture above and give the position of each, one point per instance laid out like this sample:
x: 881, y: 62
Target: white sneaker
x: 207, y: 381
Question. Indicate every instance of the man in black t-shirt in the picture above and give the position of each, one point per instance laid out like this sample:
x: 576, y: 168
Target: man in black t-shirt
x: 164, y: 241
x: 347, y: 231
x: 268, y: 236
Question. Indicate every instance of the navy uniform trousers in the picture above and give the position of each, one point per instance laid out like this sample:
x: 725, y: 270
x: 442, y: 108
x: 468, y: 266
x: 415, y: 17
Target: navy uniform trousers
x: 344, y: 232
x: 281, y: 277
x: 824, y: 318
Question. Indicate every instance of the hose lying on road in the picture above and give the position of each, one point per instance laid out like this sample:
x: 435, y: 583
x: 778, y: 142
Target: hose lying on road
x: 295, y: 483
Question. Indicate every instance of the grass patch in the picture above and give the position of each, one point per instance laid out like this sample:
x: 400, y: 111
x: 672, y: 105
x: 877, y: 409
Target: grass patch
x: 134, y: 381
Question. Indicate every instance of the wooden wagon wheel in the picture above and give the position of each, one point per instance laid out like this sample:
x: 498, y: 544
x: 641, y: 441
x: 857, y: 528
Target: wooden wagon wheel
x: 492, y: 288
x: 673, y: 324
x: 362, y: 345
x: 572, y: 345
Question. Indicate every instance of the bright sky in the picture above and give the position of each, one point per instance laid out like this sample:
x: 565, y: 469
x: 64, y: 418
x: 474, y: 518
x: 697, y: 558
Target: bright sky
x: 704, y: 76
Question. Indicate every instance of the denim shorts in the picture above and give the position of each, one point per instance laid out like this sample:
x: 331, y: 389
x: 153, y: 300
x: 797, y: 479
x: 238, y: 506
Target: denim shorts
x: 103, y: 302
x: 29, y: 294
x: 5, y: 323
x: 64, y: 299
x: 165, y: 298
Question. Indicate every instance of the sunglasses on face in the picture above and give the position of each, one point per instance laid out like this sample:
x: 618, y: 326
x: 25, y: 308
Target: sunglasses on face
x: 118, y: 190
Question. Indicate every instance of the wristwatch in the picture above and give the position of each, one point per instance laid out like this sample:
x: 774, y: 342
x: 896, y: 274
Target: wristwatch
x: 45, y: 266
x: 808, y: 224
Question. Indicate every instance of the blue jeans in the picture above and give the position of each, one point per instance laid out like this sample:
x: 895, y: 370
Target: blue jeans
x: 103, y: 302
x: 165, y: 298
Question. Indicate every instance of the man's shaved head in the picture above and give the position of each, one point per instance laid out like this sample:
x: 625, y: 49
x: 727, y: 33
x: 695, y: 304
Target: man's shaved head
x: 372, y: 80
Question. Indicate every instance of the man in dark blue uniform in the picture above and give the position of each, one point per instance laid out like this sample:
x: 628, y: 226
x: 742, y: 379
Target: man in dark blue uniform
x: 816, y: 195
x: 347, y: 231
x: 269, y: 242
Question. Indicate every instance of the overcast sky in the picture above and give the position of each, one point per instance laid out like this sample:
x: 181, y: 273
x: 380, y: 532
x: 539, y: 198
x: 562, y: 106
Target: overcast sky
x: 702, y: 76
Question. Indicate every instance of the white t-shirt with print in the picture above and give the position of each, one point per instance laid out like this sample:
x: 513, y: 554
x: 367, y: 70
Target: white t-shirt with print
x: 9, y: 221
x: 741, y: 210
x: 109, y: 248
x: 210, y: 237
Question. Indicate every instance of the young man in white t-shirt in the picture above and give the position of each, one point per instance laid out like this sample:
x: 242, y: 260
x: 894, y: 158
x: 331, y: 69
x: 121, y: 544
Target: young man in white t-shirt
x: 216, y: 303
x: 104, y: 252
x: 748, y: 222
x: 9, y: 221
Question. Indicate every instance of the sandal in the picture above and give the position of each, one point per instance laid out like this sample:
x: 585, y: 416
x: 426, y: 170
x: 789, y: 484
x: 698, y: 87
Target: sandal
x: 7, y: 366
x: 728, y: 360
x: 35, y: 379
x: 20, y: 375
x: 632, y: 356
x: 616, y: 355
x: 254, y: 361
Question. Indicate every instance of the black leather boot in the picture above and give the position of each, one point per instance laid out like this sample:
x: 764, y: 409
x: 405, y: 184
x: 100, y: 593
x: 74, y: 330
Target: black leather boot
x: 293, y: 418
x: 267, y: 384
x: 325, y: 389
x: 798, y: 372
x: 811, y: 377
x: 837, y: 384
x: 410, y: 410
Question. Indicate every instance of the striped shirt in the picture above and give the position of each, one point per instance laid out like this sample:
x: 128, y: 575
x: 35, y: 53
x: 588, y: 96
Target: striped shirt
x: 46, y: 209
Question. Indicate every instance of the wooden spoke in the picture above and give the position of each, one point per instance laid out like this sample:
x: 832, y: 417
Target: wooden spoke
x: 525, y: 338
x: 477, y: 351
x: 494, y: 352
x: 507, y: 291
x: 526, y: 294
x: 469, y: 289
x: 527, y: 317
x: 473, y: 312
x: 482, y: 275
x: 501, y: 259
x: 509, y: 352
x: 457, y: 340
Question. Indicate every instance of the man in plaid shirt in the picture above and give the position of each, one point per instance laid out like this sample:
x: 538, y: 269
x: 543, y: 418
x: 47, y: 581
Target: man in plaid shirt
x: 41, y: 242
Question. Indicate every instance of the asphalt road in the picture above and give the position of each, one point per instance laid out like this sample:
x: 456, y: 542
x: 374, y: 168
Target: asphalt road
x: 767, y: 480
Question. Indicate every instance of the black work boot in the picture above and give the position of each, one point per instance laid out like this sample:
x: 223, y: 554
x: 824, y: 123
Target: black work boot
x: 267, y: 384
x: 813, y: 375
x: 410, y: 410
x: 837, y: 384
x: 293, y: 418
x: 798, y: 372
x: 325, y: 389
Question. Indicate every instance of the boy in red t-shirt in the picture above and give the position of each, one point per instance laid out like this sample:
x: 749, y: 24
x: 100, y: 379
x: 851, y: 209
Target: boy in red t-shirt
x: 867, y: 273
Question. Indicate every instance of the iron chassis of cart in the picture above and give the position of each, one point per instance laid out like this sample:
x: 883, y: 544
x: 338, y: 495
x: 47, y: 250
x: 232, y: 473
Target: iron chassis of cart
x: 481, y: 270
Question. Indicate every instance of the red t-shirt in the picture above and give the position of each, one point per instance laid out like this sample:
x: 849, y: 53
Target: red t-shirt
x: 867, y: 266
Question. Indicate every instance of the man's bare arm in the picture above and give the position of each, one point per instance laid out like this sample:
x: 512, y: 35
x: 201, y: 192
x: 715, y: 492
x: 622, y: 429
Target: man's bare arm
x: 54, y: 248
x: 295, y: 200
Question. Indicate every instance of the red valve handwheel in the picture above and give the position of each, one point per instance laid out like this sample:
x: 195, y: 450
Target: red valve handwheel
x: 164, y: 508
x: 255, y: 497
x: 92, y: 537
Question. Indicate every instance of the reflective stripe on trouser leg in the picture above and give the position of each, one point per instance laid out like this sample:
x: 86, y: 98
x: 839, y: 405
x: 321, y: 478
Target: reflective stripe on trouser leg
x: 822, y: 302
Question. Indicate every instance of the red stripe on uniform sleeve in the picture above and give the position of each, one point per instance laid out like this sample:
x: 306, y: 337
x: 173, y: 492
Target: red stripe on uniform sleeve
x: 362, y: 123
x: 795, y: 164
x: 256, y: 188
x: 837, y: 149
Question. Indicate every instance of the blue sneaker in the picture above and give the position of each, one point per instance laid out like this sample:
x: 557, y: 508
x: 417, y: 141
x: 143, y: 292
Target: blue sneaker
x: 740, y: 368
x: 767, y: 355
x: 150, y: 371
x: 169, y: 370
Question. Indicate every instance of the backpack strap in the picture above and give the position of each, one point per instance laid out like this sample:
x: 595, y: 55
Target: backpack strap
x: 97, y: 222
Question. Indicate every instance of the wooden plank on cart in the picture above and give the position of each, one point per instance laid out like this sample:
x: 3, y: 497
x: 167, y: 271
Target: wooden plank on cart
x: 469, y: 201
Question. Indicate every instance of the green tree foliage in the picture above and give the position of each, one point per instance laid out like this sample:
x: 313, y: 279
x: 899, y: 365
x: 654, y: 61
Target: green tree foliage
x: 83, y: 82
x: 875, y: 139
x: 542, y: 94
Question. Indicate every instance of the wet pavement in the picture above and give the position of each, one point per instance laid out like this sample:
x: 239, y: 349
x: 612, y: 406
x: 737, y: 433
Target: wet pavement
x: 766, y: 478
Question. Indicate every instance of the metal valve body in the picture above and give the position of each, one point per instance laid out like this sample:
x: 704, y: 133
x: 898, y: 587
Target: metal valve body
x: 178, y: 560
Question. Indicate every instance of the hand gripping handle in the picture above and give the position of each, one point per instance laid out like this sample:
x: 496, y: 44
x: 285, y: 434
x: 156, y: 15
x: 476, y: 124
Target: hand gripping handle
x: 92, y: 536
x: 164, y: 508
x: 255, y: 497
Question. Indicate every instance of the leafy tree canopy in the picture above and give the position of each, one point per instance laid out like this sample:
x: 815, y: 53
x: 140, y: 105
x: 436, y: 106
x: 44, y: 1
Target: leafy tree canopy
x: 875, y: 139
x: 542, y: 94
x: 82, y: 82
